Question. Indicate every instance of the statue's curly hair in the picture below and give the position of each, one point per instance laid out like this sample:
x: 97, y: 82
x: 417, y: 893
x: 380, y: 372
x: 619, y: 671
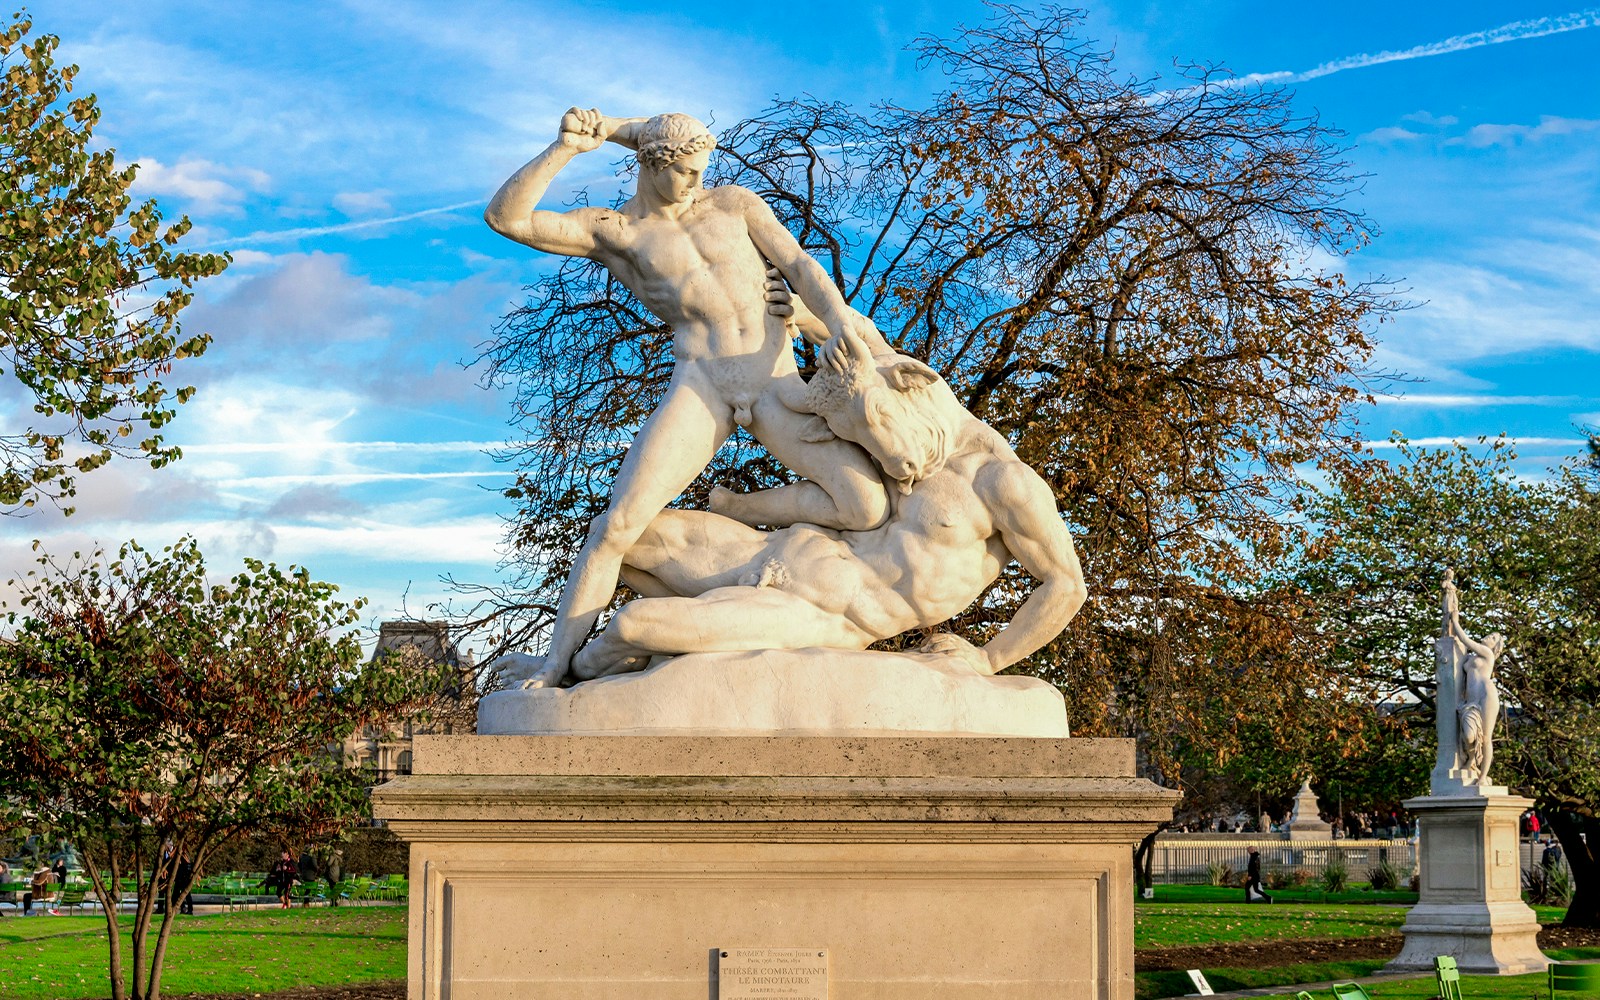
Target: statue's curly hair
x: 670, y: 137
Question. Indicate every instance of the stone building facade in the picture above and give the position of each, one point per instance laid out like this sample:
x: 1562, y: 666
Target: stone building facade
x: 386, y: 750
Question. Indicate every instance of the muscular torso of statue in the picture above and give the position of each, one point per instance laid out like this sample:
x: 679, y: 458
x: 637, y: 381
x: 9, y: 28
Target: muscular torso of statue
x: 943, y: 523
x: 701, y: 273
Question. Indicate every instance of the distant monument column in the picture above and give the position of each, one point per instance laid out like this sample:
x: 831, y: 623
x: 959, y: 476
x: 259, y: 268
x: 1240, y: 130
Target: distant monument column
x: 1471, y: 894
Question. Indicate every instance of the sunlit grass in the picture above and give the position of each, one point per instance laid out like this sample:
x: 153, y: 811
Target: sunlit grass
x: 45, y: 958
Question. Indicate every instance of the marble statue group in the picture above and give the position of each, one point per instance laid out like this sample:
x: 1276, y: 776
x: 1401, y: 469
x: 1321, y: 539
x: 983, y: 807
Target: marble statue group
x: 906, y: 506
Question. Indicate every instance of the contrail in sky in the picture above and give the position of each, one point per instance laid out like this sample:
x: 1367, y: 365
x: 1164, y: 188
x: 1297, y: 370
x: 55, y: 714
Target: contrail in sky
x: 1514, y: 32
x: 343, y: 227
x: 320, y: 447
x: 355, y: 478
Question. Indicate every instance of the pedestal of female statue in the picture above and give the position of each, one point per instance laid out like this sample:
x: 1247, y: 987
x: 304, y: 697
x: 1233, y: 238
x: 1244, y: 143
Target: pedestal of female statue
x: 1471, y: 888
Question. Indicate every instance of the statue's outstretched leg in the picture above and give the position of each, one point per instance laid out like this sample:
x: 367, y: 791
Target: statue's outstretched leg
x: 673, y: 446
x: 729, y: 619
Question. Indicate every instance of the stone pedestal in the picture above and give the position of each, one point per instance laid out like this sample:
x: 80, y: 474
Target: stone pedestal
x: 1305, y: 821
x: 1471, y: 902
x: 618, y: 868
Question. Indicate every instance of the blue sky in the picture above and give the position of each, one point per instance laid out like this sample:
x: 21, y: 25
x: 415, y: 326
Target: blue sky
x: 343, y: 151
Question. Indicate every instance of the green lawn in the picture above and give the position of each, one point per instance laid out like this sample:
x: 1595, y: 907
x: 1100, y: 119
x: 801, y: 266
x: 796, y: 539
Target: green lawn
x: 45, y: 958
x: 1472, y: 988
x: 1160, y: 925
x: 1166, y: 924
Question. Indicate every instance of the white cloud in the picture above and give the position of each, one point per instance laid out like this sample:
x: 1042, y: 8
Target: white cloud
x: 1437, y: 400
x: 307, y: 306
x: 246, y: 260
x: 1510, y: 135
x: 1502, y: 297
x: 327, y: 448
x: 263, y: 410
x: 314, y: 500
x: 1391, y: 133
x: 354, y: 203
x: 1442, y: 442
x: 309, y: 232
x: 358, y: 478
x: 206, y: 187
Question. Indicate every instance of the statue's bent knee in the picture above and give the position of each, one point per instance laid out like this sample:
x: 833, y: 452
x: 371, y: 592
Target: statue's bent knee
x: 862, y: 510
x: 630, y: 624
x: 613, y: 533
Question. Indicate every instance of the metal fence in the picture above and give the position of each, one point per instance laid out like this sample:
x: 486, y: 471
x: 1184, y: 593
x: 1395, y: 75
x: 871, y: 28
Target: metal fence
x: 1189, y: 861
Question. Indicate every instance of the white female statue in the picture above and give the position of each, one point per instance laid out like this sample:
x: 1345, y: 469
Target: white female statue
x: 1478, y: 701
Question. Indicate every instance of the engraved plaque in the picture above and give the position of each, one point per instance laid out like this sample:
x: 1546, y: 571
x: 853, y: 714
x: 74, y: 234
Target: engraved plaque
x: 1455, y: 858
x: 767, y: 973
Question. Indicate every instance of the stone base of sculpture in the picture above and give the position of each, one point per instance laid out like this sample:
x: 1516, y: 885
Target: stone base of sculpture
x: 1305, y: 820
x: 614, y: 868
x: 1471, y: 894
x: 813, y: 691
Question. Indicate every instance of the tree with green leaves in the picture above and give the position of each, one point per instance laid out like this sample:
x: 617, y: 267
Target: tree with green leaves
x: 91, y: 287
x: 1526, y: 556
x: 1112, y: 272
x: 153, y: 715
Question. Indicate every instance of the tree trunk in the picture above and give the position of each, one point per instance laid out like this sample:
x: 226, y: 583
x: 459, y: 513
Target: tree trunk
x: 147, y: 889
x: 1144, y: 859
x: 1580, y: 842
x: 108, y: 890
x: 159, y: 956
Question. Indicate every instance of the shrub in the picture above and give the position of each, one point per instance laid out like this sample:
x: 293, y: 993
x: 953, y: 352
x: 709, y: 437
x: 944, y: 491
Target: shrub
x: 1336, y: 876
x: 1287, y: 878
x: 1548, y: 886
x: 1383, y: 877
x: 1218, y: 873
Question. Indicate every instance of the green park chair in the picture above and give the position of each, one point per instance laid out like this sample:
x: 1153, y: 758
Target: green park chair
x: 394, y: 888
x: 1303, y: 995
x: 1448, y: 977
x: 1349, y: 991
x: 1574, y: 978
x: 239, y: 894
x: 71, y: 898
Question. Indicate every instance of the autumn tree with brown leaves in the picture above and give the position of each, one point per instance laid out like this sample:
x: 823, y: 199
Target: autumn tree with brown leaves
x: 1115, y: 273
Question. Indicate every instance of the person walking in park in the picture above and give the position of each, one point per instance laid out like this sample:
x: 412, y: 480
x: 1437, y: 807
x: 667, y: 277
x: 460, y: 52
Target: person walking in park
x: 282, y: 878
x: 1253, y: 893
x: 1551, y: 857
x: 183, y: 881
